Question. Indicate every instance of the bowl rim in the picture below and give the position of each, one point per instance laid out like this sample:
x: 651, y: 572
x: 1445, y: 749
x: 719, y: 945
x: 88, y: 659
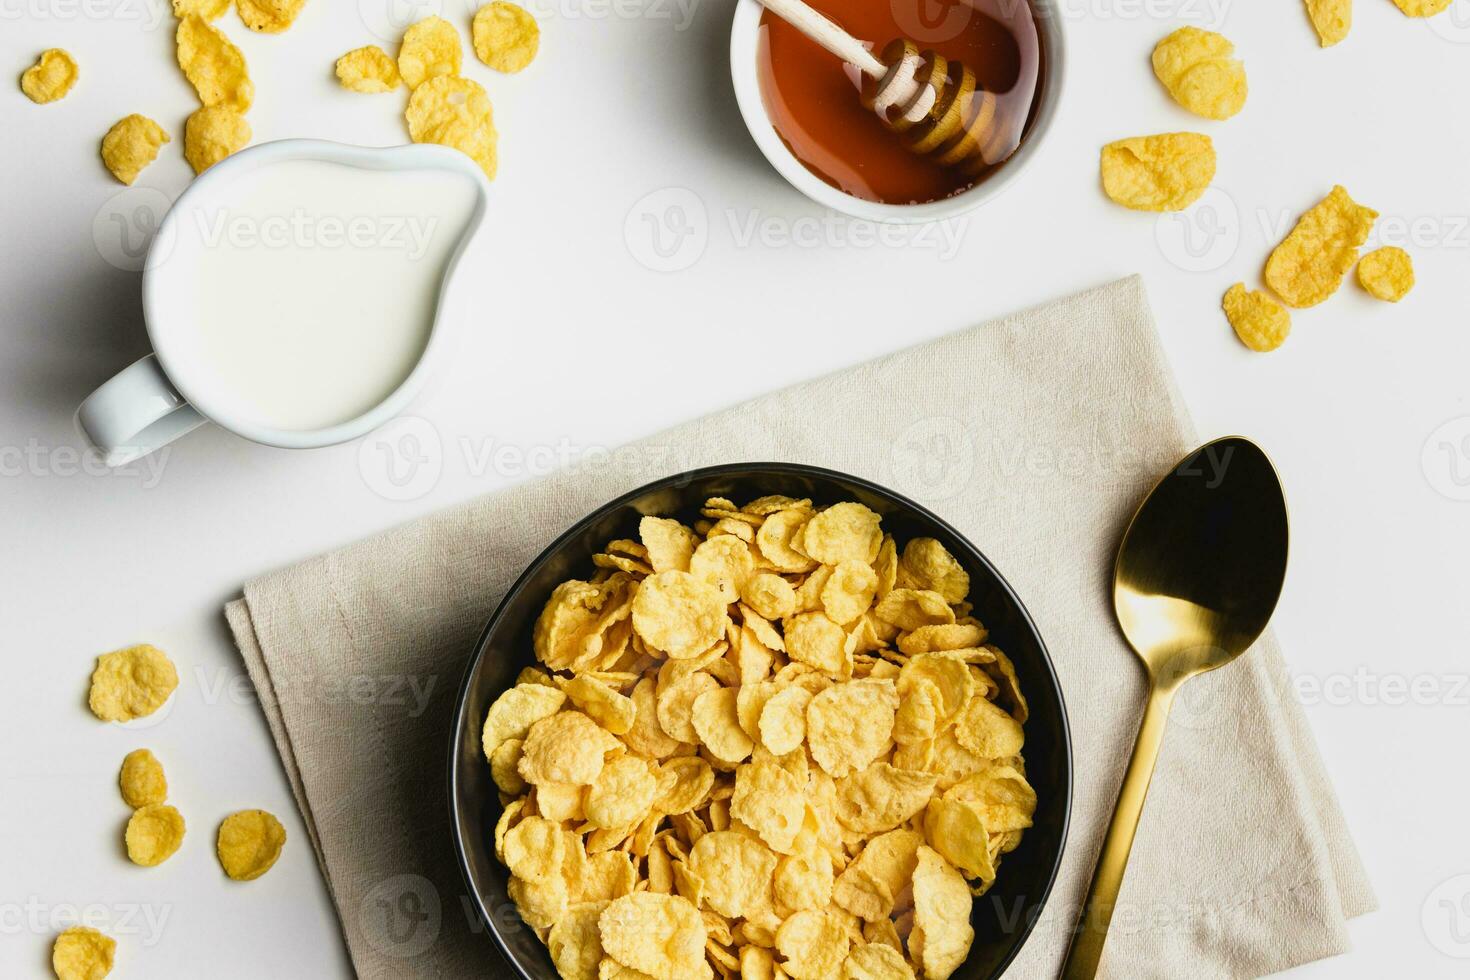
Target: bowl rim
x: 684, y: 478
x: 744, y: 41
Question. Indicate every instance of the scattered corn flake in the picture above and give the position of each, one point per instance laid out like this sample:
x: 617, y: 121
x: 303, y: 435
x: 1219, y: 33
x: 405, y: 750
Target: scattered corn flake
x: 268, y: 16
x: 454, y: 112
x: 212, y: 133
x: 1201, y: 73
x: 368, y: 69
x: 51, y: 77
x: 1261, y: 323
x: 131, y: 683
x: 82, y: 953
x: 213, y: 65
x: 141, y: 779
x: 1386, y: 273
x: 506, y: 36
x: 430, y: 49
x: 249, y: 843
x: 153, y: 834
x: 1166, y: 172
x: 1422, y: 8
x: 208, y: 9
x: 1308, y: 266
x: 130, y: 145
x: 1331, y: 19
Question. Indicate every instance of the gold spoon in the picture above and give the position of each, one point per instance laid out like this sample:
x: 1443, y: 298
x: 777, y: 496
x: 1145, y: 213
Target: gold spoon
x: 1197, y: 578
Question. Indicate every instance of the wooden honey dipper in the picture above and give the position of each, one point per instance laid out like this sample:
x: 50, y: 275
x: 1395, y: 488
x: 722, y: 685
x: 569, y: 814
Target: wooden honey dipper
x: 936, y: 106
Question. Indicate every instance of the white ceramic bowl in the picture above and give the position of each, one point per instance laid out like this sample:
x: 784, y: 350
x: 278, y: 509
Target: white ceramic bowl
x: 744, y: 43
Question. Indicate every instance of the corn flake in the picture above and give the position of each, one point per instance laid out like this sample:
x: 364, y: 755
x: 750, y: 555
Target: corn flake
x: 684, y: 783
x: 804, y: 880
x: 213, y: 65
x: 1422, y: 8
x: 1309, y: 265
x: 1386, y: 273
x: 50, y: 78
x: 716, y: 722
x: 736, y: 870
x: 776, y: 538
x: 213, y: 133
x: 843, y: 532
x: 82, y: 953
x: 613, y: 711
x: 207, y: 9
x: 153, y: 834
x: 249, y: 843
x: 670, y: 544
x: 1331, y: 19
x: 660, y: 935
x: 141, y: 779
x: 130, y: 145
x: 769, y: 801
x: 430, y: 49
x: 453, y: 112
x: 848, y: 726
x: 678, y: 614
x: 505, y: 35
x: 880, y: 797
x: 515, y: 711
x: 268, y: 16
x: 725, y: 564
x: 1167, y: 172
x: 849, y: 591
x: 131, y: 683
x: 1200, y: 72
x: 876, y: 961
x: 621, y: 794
x: 783, y: 720
x: 368, y: 69
x: 565, y: 748
x: 575, y: 942
x: 941, y: 915
x: 1261, y: 323
x: 814, y: 943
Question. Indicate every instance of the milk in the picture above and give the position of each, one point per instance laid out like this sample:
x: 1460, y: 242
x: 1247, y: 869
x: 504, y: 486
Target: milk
x: 307, y: 290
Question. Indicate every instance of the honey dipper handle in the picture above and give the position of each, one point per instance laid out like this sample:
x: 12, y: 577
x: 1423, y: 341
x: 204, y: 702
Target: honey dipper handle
x: 817, y: 27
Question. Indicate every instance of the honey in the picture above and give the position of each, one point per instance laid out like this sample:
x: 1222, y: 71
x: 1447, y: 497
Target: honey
x: 814, y: 103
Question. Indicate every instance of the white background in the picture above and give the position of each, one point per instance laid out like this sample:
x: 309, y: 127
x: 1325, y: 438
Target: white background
x: 569, y: 342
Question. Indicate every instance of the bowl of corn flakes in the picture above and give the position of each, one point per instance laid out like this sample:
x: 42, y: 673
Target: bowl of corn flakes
x: 761, y: 719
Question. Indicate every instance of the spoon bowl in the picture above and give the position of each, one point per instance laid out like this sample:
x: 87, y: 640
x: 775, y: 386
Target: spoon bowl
x: 1197, y: 578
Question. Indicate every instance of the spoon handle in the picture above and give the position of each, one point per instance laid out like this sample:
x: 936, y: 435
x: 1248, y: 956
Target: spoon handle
x: 1107, y: 879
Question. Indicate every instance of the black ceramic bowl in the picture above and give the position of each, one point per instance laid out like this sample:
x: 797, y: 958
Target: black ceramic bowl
x: 1002, y: 919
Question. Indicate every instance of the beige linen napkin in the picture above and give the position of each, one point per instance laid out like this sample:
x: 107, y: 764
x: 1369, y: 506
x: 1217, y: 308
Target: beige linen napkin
x: 1036, y: 436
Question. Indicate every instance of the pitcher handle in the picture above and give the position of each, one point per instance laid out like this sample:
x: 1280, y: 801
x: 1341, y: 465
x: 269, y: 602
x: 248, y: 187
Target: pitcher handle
x: 135, y: 412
